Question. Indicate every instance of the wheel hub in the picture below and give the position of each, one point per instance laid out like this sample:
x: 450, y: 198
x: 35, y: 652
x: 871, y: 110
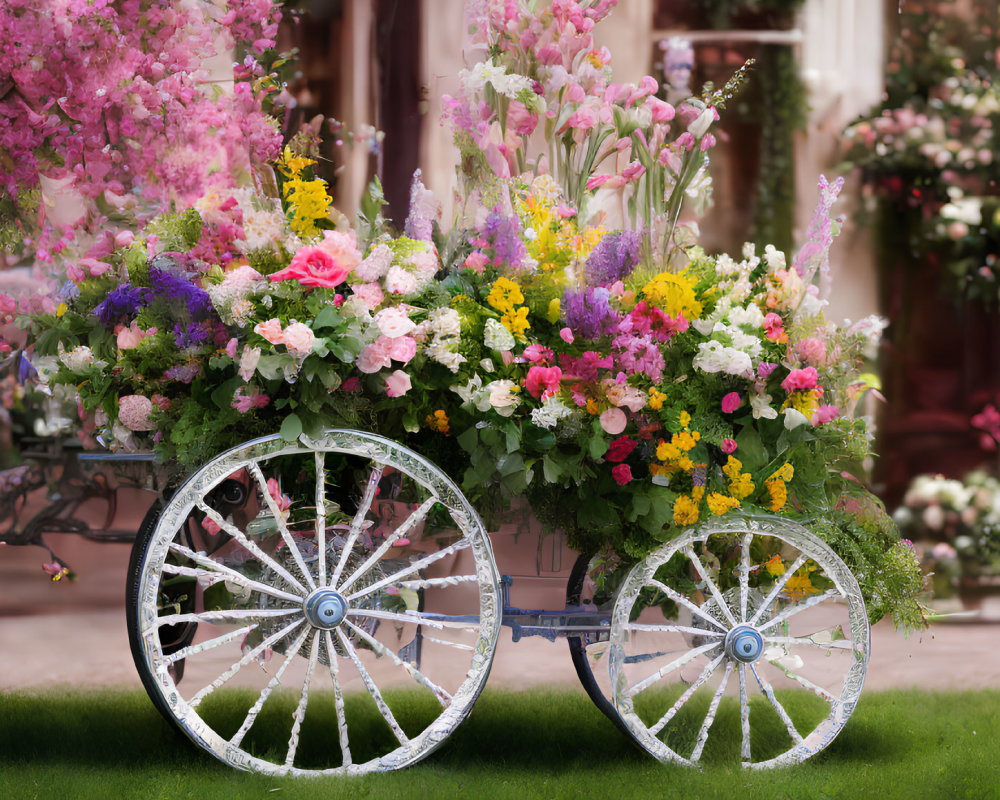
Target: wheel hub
x: 744, y: 643
x: 325, y: 609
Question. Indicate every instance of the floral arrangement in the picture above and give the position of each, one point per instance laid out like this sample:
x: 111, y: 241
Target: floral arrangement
x: 929, y: 149
x: 958, y: 521
x: 565, y: 341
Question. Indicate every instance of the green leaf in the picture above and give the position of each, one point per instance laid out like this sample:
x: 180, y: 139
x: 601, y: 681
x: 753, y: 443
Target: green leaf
x: 222, y: 396
x: 291, y: 428
x: 598, y: 447
x: 511, y: 464
x: 328, y: 317
x: 468, y: 439
x: 750, y: 449
x: 551, y: 469
x: 513, y: 436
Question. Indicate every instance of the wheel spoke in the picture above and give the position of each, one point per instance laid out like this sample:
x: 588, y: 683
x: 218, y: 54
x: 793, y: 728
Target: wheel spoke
x: 805, y: 682
x: 286, y: 535
x: 456, y: 645
x: 745, y: 576
x: 416, y: 516
x: 778, y: 586
x: 723, y: 605
x: 791, y: 611
x: 689, y: 656
x: 300, y: 710
x: 680, y: 599
x: 247, y: 658
x: 699, y: 681
x: 839, y: 644
x: 217, y: 571
x: 439, y: 621
x: 338, y: 699
x: 642, y: 626
x: 208, y: 644
x: 320, y: 460
x: 357, y: 523
x: 373, y: 690
x: 251, y: 716
x: 699, y: 745
x: 779, y: 709
x: 226, y: 615
x: 744, y: 715
x: 416, y: 566
x: 251, y: 546
x: 442, y: 696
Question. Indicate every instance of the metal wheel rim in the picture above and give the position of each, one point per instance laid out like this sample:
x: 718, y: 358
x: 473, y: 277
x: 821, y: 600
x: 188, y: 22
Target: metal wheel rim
x: 378, y: 450
x: 846, y: 587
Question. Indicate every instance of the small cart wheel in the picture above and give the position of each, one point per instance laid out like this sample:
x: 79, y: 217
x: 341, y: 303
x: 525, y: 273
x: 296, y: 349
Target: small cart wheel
x: 755, y: 607
x: 349, y: 632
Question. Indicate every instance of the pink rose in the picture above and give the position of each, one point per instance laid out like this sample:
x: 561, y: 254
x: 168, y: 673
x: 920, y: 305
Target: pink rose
x: 342, y: 247
x: 397, y: 384
x: 731, y: 402
x: 313, y: 266
x: 270, y: 330
x: 371, y: 293
x: 476, y: 261
x: 374, y: 356
x: 728, y: 446
x: 543, y: 381
x: 519, y: 119
x: 801, y: 379
x: 402, y: 348
x: 812, y: 351
x: 298, y: 338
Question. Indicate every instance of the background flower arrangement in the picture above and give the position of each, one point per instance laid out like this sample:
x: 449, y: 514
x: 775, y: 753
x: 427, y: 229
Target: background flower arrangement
x: 623, y: 380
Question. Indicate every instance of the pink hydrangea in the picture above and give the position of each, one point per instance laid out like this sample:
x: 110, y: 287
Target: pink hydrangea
x: 133, y: 412
x: 812, y: 351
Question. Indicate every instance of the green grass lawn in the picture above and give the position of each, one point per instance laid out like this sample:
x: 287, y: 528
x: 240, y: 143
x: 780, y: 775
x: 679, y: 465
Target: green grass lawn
x: 519, y: 745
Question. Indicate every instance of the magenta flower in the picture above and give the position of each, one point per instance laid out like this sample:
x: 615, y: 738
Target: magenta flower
x: 728, y: 446
x: 543, y: 381
x: 731, y: 402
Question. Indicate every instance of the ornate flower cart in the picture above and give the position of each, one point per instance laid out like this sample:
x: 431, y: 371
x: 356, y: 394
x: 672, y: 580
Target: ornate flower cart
x: 297, y: 639
x: 326, y: 600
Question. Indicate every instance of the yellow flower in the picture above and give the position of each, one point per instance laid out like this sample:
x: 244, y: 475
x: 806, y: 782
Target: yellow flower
x: 61, y: 309
x: 685, y: 510
x: 554, y: 310
x: 674, y: 293
x: 504, y: 295
x: 592, y: 407
x: 778, y: 492
x: 309, y: 202
x: 667, y: 451
x: 800, y: 585
x: 685, y: 419
x: 732, y: 468
x: 805, y: 402
x: 785, y: 473
x: 656, y: 398
x: 740, y: 483
x: 291, y: 165
x: 685, y: 440
x: 516, y: 322
x: 697, y: 493
x: 775, y: 565
x: 719, y: 504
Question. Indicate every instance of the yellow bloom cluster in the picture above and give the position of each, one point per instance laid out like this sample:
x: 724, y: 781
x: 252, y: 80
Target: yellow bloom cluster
x: 505, y: 296
x: 800, y: 585
x: 674, y: 453
x: 438, y: 421
x: 740, y: 485
x: 686, y: 509
x: 805, y: 401
x: 308, y: 199
x: 656, y: 398
x: 675, y: 294
x: 720, y: 504
x: 777, y: 486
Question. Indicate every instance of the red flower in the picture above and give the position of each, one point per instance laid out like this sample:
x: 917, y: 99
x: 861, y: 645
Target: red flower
x: 543, y: 381
x: 728, y: 446
x: 622, y: 474
x: 619, y: 449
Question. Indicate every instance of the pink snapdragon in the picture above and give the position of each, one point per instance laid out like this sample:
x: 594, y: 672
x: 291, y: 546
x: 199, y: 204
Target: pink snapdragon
x: 774, y: 328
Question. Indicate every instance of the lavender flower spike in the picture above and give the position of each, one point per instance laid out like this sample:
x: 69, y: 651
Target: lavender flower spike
x: 614, y: 258
x: 424, y: 210
x: 815, y: 253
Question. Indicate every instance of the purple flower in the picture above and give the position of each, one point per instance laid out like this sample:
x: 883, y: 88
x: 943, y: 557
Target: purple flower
x: 185, y: 373
x: 504, y: 233
x: 191, y: 335
x: 122, y: 302
x: 589, y: 312
x: 614, y: 258
x: 639, y: 354
x: 174, y: 289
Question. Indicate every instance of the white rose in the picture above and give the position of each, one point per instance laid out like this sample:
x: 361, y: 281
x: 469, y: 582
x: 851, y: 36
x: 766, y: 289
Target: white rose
x: 760, y: 404
x: 502, y: 397
x: 77, y: 359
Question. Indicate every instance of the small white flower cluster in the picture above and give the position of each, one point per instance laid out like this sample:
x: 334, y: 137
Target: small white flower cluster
x: 551, y: 413
x: 229, y: 298
x: 499, y: 395
x: 508, y: 84
x: 443, y: 328
x: 406, y: 277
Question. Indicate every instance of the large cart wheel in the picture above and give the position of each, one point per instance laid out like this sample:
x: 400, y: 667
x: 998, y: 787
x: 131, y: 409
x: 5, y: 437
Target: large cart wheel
x: 348, y: 633
x: 755, y: 607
